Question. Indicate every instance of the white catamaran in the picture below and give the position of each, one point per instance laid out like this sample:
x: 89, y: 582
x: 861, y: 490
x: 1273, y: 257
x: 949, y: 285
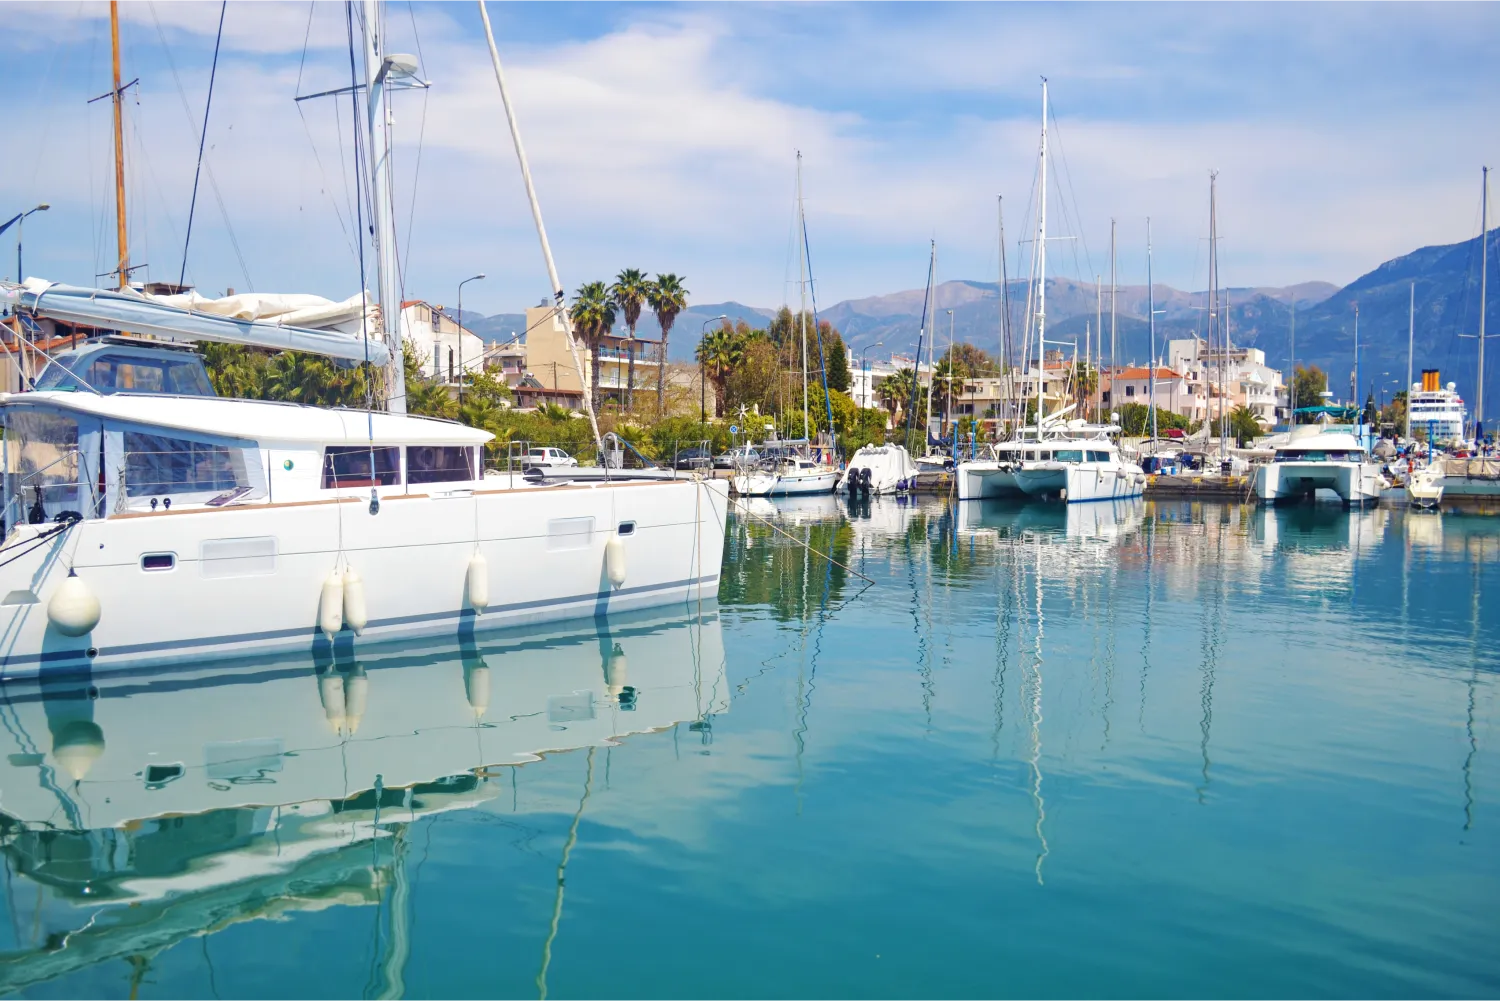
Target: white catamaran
x: 147, y: 520
x: 1063, y: 459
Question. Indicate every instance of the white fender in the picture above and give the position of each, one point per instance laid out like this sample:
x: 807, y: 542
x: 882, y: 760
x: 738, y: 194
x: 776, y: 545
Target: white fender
x: 354, y: 600
x: 477, y: 689
x: 356, y: 698
x: 614, y: 560
x: 331, y: 605
x: 77, y: 746
x: 479, y: 581
x: 331, y: 694
x: 616, y: 673
x: 74, y: 609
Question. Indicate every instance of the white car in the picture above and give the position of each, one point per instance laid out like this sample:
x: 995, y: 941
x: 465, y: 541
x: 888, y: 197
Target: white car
x: 552, y: 457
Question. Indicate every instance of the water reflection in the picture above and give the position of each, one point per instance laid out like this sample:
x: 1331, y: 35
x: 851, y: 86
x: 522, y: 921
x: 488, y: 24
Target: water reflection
x: 144, y: 809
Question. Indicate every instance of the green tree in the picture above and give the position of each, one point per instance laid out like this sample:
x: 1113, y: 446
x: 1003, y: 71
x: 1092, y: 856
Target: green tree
x: 970, y: 360
x: 752, y: 383
x: 837, y: 357
x: 630, y: 292
x: 1244, y: 426
x: 593, y: 315
x: 720, y: 352
x: 900, y: 392
x: 1308, y: 384
x: 1085, y: 379
x: 667, y: 297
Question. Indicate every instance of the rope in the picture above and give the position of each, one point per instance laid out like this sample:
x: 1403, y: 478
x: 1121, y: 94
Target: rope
x: 202, y: 139
x: 775, y: 528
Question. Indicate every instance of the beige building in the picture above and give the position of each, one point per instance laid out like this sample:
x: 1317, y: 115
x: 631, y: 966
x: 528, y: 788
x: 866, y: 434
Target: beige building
x: 549, y: 363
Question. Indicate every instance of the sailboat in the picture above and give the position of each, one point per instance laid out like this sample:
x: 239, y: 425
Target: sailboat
x: 793, y: 467
x: 147, y: 520
x: 1059, y: 457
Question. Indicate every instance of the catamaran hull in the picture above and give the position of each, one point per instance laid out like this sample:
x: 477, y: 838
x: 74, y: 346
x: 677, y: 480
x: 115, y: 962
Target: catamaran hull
x: 762, y: 484
x: 1073, y: 483
x: 1356, y: 483
x: 248, y: 580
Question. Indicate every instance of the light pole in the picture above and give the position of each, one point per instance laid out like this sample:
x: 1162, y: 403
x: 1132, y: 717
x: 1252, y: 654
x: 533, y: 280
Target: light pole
x: 19, y: 221
x: 703, y: 369
x: 864, y: 365
x: 461, y: 334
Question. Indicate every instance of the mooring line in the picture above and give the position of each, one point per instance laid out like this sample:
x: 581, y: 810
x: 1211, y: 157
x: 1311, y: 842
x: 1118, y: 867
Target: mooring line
x: 746, y: 511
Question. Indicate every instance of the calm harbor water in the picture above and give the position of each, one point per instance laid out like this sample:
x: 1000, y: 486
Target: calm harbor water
x: 1131, y: 750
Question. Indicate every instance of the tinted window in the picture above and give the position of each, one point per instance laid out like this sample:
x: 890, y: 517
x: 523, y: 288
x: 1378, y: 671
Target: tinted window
x: 439, y: 463
x: 160, y: 465
x: 350, y: 466
x: 1069, y: 455
x: 180, y: 374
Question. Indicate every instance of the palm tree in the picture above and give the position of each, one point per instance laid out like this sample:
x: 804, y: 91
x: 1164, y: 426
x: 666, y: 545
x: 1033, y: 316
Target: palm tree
x: 593, y: 316
x: 1085, y: 383
x: 629, y: 292
x: 667, y: 297
x: 720, y: 352
x: 896, y: 392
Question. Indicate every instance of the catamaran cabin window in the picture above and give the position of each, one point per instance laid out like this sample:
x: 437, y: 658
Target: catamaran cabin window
x: 42, y: 479
x: 110, y: 373
x: 157, y: 465
x: 1069, y: 455
x: 1098, y: 456
x: 439, y: 463
x: 351, y: 466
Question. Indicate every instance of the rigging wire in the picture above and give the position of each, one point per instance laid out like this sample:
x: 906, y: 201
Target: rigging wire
x: 416, y: 174
x: 312, y: 143
x: 202, y: 138
x: 364, y: 295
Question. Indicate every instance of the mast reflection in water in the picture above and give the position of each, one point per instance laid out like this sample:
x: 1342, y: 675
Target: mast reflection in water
x: 1097, y: 749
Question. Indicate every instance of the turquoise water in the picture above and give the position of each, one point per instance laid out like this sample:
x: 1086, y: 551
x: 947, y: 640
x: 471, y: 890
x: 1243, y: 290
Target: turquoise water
x: 1147, y: 750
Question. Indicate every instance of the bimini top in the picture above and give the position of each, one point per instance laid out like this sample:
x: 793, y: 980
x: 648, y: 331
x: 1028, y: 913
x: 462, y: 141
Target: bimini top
x: 260, y: 420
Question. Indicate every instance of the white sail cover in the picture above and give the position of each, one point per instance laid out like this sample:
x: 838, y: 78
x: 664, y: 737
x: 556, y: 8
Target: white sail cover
x: 346, y: 330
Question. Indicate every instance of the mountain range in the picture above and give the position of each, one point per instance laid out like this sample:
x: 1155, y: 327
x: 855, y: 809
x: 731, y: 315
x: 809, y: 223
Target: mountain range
x: 1445, y: 278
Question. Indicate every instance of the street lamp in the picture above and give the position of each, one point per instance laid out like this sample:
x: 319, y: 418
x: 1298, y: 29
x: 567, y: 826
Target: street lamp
x: 702, y: 369
x: 864, y: 364
x: 461, y: 331
x: 20, y: 218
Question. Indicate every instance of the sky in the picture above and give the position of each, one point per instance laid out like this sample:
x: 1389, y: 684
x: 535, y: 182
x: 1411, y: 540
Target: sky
x: 665, y: 137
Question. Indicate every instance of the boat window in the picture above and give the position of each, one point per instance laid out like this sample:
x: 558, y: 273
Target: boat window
x: 1046, y: 456
x: 1030, y: 455
x: 1098, y: 456
x: 351, y: 466
x: 1069, y: 455
x: 109, y: 373
x: 157, y: 465
x: 42, y: 478
x: 439, y: 463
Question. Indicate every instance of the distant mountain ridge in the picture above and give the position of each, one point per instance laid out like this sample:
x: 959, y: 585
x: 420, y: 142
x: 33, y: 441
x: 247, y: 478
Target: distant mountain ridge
x: 1447, y: 307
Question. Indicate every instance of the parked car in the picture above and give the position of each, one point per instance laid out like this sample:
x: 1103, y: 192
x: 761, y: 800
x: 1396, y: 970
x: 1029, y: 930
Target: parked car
x: 743, y: 456
x: 696, y: 457
x: 552, y: 457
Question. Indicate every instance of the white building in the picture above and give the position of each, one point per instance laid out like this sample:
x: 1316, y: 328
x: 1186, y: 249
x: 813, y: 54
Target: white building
x: 445, y: 347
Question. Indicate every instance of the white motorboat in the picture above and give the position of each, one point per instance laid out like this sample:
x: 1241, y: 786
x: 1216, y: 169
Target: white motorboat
x: 147, y: 527
x: 1424, y: 487
x: 878, y: 469
x: 1320, y: 456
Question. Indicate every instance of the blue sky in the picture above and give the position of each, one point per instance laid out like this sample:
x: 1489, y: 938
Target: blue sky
x: 664, y: 136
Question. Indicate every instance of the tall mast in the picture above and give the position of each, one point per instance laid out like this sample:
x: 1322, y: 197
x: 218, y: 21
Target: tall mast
x: 1354, y: 396
x: 1213, y: 295
x: 1006, y: 361
x: 1411, y: 342
x: 802, y: 285
x: 1041, y: 268
x: 1098, y: 330
x: 1151, y: 359
x: 1484, y: 272
x: 931, y: 340
x: 120, y: 236
x: 376, y: 73
x: 1291, y: 418
x: 1113, y: 292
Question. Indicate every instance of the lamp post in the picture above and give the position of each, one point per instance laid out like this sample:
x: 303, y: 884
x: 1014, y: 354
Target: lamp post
x: 703, y: 368
x: 461, y: 334
x: 864, y: 365
x: 19, y: 221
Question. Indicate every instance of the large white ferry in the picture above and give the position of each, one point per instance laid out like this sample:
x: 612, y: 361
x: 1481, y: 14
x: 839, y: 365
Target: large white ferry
x: 1437, y: 410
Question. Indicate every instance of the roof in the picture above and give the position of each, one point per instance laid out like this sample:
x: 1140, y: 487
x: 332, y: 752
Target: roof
x: 261, y: 420
x: 1141, y: 372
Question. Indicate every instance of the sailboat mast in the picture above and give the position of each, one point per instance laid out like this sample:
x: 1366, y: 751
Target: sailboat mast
x: 802, y: 286
x: 1041, y: 268
x: 1098, y: 330
x: 931, y: 340
x: 1411, y: 343
x: 121, y: 240
x: 1004, y: 312
x: 1151, y: 312
x: 1484, y: 272
x: 1113, y: 293
x: 1213, y: 295
x: 376, y: 73
x: 1291, y: 418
